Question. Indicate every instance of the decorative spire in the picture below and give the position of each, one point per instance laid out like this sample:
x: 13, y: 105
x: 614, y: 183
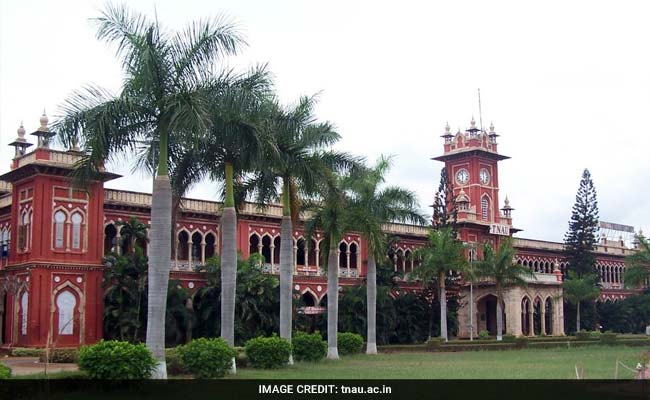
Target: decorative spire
x: 507, y: 209
x: 491, y: 127
x: 21, y: 132
x: 43, y: 132
x: 43, y: 120
x: 20, y: 144
x: 472, y: 123
x: 447, y: 135
x: 507, y: 202
x: 447, y: 128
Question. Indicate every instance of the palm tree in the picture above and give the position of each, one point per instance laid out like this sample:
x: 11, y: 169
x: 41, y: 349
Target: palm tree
x: 233, y: 147
x: 638, y: 264
x: 131, y: 232
x: 297, y: 168
x: 161, y: 97
x: 577, y: 289
x: 372, y: 207
x: 442, y: 253
x: 499, y: 268
x: 330, y: 215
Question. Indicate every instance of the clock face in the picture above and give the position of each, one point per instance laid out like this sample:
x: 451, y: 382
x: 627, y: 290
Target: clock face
x: 484, y: 176
x: 462, y: 176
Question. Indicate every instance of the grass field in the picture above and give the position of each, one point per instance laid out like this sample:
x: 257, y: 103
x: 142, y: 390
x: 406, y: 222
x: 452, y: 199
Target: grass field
x: 597, y: 361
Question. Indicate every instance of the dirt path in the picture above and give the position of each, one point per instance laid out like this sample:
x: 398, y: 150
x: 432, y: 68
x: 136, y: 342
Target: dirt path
x: 30, y: 365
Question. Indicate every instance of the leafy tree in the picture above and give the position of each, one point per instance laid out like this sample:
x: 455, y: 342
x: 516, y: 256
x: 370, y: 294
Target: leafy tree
x: 132, y: 231
x: 579, y: 289
x: 162, y: 96
x: 256, y: 302
x: 503, y: 272
x: 445, y: 209
x: 441, y: 254
x: 637, y: 264
x: 372, y: 206
x: 580, y: 241
x: 125, y: 294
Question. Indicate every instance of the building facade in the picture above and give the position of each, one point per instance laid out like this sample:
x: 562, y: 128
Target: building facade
x: 53, y: 238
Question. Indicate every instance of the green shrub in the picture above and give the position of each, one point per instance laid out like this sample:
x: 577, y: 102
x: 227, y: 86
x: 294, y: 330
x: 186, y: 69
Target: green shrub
x: 113, y: 359
x: 521, y: 341
x: 434, y: 342
x: 207, y: 358
x: 608, y: 338
x: 60, y: 356
x: 26, y: 352
x: 309, y: 347
x: 268, y: 352
x: 349, y: 343
x: 509, y: 338
x: 483, y: 335
x: 583, y: 335
x: 5, y: 372
x: 174, y: 360
x: 595, y: 334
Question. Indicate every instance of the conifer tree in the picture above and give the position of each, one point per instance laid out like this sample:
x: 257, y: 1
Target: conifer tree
x: 580, y: 240
x: 445, y: 209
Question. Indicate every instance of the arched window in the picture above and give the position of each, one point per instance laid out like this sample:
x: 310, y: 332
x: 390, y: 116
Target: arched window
x: 59, y: 229
x: 76, y: 219
x: 5, y: 243
x: 485, y: 208
x: 65, y: 304
x: 24, y: 230
x: 24, y: 303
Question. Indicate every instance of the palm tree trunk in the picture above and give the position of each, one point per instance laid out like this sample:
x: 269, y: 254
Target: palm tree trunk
x: 286, y: 278
x: 332, y: 301
x: 371, y: 278
x: 176, y: 203
x: 499, y: 318
x: 443, y: 306
x: 431, y: 312
x: 228, y: 263
x: 159, y: 264
x: 577, y: 317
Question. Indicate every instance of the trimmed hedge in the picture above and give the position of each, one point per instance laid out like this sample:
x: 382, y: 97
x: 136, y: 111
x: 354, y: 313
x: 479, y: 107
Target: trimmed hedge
x: 5, y: 372
x: 60, y: 356
x: 509, y: 338
x: 268, y: 352
x: 26, y: 352
x: 308, y: 347
x: 112, y: 359
x: 207, y: 358
x: 608, y: 338
x: 174, y: 360
x: 349, y: 343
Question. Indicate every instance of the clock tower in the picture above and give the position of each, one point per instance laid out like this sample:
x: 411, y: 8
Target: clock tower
x: 471, y: 159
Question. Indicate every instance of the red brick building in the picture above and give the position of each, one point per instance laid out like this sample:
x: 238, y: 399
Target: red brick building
x: 53, y: 238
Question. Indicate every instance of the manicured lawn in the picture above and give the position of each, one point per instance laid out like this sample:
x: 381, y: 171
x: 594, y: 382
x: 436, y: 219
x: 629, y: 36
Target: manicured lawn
x: 597, y: 361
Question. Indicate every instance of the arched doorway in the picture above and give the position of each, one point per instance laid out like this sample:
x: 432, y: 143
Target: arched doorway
x: 537, y: 316
x: 525, y: 316
x: 487, y: 314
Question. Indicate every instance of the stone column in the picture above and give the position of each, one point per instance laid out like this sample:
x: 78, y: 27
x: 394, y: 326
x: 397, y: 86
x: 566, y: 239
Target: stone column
x: 203, y: 252
x: 190, y: 246
x: 531, y: 320
x: 118, y: 236
x: 542, y: 330
x: 347, y: 263
x: 295, y: 258
x: 273, y: 257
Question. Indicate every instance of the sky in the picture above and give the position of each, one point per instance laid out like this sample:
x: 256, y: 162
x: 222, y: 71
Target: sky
x: 566, y: 84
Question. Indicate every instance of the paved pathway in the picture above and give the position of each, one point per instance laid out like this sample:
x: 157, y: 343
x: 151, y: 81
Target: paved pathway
x: 30, y: 365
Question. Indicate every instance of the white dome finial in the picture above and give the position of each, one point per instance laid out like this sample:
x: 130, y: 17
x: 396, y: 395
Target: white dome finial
x: 472, y: 122
x: 43, y: 120
x: 507, y: 202
x: 21, y: 131
x: 447, y: 128
x: 491, y: 127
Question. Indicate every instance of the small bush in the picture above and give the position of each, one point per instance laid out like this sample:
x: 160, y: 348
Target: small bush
x: 309, y: 347
x: 522, y: 342
x: 268, y: 352
x: 595, y: 334
x: 174, y: 360
x: 349, y: 343
x: 608, y: 338
x: 60, y: 356
x: 483, y: 335
x: 509, y: 338
x: 583, y: 335
x: 26, y: 352
x: 207, y: 358
x: 5, y: 372
x: 113, y: 359
x: 434, y: 342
